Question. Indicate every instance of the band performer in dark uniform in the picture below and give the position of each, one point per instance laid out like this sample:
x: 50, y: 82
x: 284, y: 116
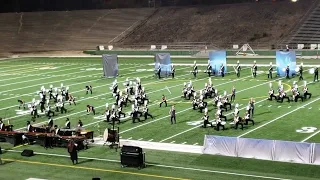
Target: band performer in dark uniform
x: 164, y: 100
x: 159, y: 72
x: 316, y: 74
x: 270, y: 71
x: 172, y: 114
x: 72, y: 150
x: 287, y: 72
x: 173, y: 70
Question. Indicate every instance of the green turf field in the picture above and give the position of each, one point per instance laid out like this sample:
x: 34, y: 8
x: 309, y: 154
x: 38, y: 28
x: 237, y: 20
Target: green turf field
x: 22, y: 78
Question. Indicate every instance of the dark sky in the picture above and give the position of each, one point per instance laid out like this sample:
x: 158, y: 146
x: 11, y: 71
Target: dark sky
x: 63, y: 5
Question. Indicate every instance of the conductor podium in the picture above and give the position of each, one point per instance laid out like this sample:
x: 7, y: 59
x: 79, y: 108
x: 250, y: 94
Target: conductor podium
x: 132, y: 156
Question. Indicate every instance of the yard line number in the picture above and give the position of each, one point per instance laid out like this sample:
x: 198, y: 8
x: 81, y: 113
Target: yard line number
x: 306, y: 130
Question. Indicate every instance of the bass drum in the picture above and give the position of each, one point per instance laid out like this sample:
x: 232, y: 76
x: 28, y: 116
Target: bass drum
x: 110, y: 135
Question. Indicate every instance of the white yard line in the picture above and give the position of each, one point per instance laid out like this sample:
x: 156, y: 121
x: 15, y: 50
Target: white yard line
x: 20, y: 82
x: 290, y: 112
x: 51, y: 71
x: 309, y: 137
x: 163, y: 166
x: 63, y: 80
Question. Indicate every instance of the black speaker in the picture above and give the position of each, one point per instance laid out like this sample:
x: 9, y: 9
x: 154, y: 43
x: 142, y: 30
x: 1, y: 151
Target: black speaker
x: 96, y: 178
x: 27, y: 152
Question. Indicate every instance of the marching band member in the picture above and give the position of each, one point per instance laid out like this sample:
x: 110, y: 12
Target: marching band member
x: 173, y: 70
x: 233, y: 94
x: 236, y: 110
x: 287, y: 72
x: 159, y: 71
x: 172, y: 114
x: 67, y: 124
x: 80, y: 124
x: 236, y: 121
x: 254, y: 69
x: 184, y: 90
x: 251, y: 103
x: 282, y: 96
x: 21, y: 104
x: 300, y: 72
x: 29, y: 127
x: 238, y: 68
x: 219, y: 113
x: 134, y: 114
x: 62, y: 108
x: 48, y: 111
x: 50, y: 92
x: 91, y: 109
x: 107, y: 113
x: 2, y: 126
x: 205, y: 119
x: 316, y: 74
x: 34, y: 111
x: 209, y: 68
x: 222, y: 70
x: 219, y: 123
x: 247, y: 118
x: 119, y: 110
x: 305, y: 91
x: 271, y: 93
x: 50, y: 122
x: 88, y: 88
x: 146, y: 112
x: 163, y: 100
x: 270, y: 71
x: 296, y: 96
x: 71, y: 99
x: 195, y: 69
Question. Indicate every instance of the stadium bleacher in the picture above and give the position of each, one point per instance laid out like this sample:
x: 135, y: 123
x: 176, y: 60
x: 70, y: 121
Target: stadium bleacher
x: 66, y: 30
x: 308, y: 32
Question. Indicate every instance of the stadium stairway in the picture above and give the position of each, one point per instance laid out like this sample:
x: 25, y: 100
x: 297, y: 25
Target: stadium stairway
x: 309, y: 32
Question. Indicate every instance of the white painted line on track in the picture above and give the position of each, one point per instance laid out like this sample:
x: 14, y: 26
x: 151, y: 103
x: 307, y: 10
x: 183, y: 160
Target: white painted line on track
x: 164, y: 166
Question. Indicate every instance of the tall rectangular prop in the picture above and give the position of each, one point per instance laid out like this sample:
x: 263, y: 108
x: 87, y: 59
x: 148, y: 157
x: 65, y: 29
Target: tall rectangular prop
x: 164, y: 61
x: 110, y: 65
x: 217, y: 58
x: 284, y: 59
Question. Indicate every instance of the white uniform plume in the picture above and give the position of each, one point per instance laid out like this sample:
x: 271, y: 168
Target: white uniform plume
x: 270, y: 84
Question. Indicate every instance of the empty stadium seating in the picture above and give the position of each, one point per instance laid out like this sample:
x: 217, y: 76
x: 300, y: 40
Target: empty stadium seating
x: 262, y: 24
x: 309, y: 31
x: 65, y: 30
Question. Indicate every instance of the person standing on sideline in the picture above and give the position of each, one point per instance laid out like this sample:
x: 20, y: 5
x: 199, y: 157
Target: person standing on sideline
x: 172, y: 113
x: 72, y: 150
x: 316, y: 73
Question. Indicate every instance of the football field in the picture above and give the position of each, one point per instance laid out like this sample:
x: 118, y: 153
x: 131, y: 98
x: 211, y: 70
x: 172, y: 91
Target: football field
x: 294, y: 121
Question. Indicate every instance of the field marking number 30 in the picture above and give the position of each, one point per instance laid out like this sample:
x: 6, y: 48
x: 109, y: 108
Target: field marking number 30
x: 306, y: 130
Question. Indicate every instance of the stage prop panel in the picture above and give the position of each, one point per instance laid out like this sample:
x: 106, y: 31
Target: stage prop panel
x: 217, y: 58
x: 284, y: 59
x: 164, y: 61
x: 110, y: 65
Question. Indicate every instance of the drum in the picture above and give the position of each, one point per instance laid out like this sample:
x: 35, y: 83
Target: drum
x: 110, y: 135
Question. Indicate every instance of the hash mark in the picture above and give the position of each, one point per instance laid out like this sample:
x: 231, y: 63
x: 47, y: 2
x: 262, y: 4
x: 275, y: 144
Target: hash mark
x: 129, y: 138
x: 150, y: 140
x: 172, y: 142
x: 184, y: 143
x: 269, y: 105
x: 195, y: 144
